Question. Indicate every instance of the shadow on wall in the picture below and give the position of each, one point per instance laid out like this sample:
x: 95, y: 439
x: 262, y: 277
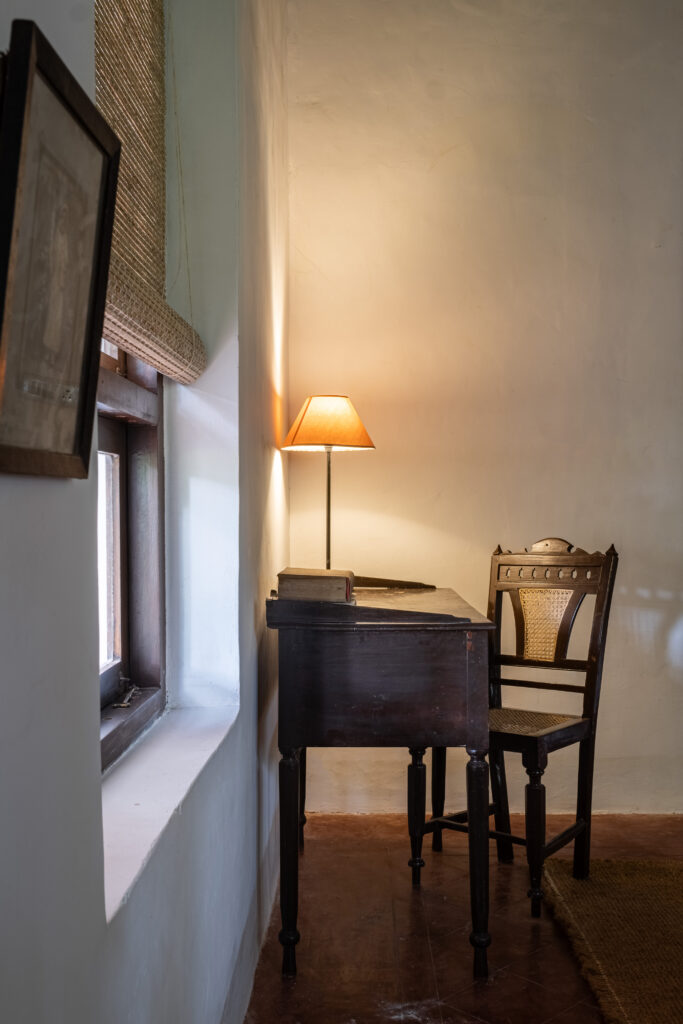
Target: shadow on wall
x: 654, y: 617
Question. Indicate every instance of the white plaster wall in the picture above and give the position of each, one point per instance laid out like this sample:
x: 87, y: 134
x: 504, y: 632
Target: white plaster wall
x: 183, y: 946
x: 486, y: 256
x: 202, y: 420
x: 264, y: 525
x: 51, y: 883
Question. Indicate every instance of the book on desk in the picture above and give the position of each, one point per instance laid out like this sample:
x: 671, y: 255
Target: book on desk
x: 335, y: 585
x: 316, y: 585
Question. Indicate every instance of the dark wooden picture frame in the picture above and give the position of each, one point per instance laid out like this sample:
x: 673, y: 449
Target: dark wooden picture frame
x: 58, y: 171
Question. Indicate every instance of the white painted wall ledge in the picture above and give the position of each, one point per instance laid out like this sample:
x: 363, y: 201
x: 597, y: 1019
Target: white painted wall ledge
x: 147, y: 787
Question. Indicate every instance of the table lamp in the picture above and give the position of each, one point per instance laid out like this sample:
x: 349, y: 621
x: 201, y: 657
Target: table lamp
x: 327, y: 423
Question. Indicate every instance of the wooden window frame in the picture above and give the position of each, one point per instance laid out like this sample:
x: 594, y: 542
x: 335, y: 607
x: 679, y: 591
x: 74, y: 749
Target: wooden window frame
x: 130, y: 408
x: 112, y: 440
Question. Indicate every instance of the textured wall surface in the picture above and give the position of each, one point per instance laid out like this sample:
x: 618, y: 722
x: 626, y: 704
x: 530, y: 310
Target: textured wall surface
x: 51, y: 881
x: 183, y: 944
x: 486, y: 256
x: 264, y: 528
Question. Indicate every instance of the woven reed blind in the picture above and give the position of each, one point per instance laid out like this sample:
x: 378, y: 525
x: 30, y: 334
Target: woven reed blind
x: 129, y: 90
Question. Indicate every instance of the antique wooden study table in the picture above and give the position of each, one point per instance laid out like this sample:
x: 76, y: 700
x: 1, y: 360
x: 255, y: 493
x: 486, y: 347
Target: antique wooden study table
x: 405, y: 666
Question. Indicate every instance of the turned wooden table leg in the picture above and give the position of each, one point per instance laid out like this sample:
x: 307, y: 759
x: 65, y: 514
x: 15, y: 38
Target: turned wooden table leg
x: 417, y: 789
x: 478, y: 821
x: 302, y: 795
x: 438, y: 792
x: 289, y: 857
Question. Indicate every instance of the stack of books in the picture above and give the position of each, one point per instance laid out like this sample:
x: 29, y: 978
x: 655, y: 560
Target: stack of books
x: 316, y: 585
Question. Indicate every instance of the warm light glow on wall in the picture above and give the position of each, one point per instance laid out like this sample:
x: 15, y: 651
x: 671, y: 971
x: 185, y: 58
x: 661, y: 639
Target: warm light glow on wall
x: 278, y: 320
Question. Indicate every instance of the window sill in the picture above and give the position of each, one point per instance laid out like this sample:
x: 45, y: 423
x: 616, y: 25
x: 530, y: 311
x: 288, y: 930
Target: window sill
x: 146, y: 788
x: 122, y: 726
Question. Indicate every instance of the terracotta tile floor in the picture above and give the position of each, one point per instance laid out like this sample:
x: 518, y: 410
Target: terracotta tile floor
x: 373, y: 949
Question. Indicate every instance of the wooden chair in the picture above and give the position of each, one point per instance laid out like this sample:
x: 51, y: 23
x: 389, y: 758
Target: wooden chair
x: 547, y: 585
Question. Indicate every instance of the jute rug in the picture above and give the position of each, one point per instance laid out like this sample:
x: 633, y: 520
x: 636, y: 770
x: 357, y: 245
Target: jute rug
x: 625, y: 924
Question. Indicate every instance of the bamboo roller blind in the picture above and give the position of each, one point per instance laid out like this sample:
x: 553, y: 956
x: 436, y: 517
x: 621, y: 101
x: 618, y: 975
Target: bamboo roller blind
x: 130, y: 93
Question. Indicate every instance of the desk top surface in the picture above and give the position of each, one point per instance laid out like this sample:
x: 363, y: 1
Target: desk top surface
x: 380, y: 607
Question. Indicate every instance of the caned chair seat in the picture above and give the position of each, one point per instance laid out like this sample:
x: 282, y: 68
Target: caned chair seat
x: 546, y: 585
x: 535, y: 724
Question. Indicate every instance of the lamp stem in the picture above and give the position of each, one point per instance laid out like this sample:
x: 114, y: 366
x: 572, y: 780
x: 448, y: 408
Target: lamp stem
x: 329, y: 473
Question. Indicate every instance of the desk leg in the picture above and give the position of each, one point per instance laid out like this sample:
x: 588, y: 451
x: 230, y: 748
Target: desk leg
x: 289, y: 857
x: 438, y: 792
x: 417, y: 788
x: 478, y: 821
x: 302, y: 795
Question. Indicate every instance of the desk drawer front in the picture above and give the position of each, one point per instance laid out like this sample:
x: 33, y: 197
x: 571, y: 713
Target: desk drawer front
x: 381, y: 688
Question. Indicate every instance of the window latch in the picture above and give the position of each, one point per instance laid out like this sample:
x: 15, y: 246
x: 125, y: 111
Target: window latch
x: 126, y: 702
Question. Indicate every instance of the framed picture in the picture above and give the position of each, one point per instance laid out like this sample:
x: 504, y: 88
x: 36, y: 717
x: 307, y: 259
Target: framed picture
x: 58, y: 169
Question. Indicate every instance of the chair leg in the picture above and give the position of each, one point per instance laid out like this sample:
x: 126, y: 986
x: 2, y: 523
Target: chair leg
x: 499, y: 791
x: 582, y: 843
x: 535, y: 828
x: 417, y: 787
x: 438, y: 792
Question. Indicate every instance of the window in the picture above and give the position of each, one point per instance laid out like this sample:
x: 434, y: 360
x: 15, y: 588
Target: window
x: 112, y: 559
x: 129, y: 549
x: 138, y: 320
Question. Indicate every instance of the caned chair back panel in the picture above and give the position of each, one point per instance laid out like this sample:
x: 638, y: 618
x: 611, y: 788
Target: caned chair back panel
x: 544, y: 617
x: 547, y: 584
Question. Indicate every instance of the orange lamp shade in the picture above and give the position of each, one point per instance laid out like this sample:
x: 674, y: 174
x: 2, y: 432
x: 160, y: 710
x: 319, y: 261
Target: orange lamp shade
x: 327, y: 422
